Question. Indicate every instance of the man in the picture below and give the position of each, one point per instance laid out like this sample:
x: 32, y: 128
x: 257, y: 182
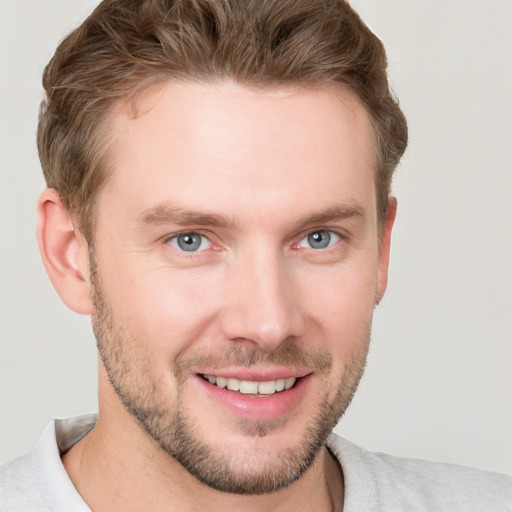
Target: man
x: 219, y: 203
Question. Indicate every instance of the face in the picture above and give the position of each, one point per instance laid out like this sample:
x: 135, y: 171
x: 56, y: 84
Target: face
x: 235, y: 271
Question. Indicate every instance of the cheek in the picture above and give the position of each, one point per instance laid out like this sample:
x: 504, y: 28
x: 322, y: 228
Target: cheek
x: 166, y: 310
x: 171, y: 310
x: 343, y: 305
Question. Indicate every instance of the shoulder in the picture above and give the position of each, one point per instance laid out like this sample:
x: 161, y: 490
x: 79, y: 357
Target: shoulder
x: 19, y: 490
x: 439, y: 485
x: 410, y: 484
x: 38, y: 482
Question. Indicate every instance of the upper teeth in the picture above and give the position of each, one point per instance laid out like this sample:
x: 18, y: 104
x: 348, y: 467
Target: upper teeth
x: 248, y: 387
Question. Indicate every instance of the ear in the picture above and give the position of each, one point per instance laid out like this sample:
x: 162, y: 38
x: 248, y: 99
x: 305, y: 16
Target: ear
x: 385, y: 246
x: 64, y: 251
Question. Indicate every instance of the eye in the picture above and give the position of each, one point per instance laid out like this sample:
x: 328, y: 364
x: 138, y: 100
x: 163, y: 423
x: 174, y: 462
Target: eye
x: 320, y: 239
x: 189, y: 242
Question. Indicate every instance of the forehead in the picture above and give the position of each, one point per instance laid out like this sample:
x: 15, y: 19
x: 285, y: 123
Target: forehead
x: 226, y: 146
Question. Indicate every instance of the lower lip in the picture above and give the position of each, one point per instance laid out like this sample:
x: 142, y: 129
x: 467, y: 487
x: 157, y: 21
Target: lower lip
x: 258, y: 408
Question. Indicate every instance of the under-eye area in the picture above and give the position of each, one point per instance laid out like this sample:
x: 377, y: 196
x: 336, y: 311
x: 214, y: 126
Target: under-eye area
x: 247, y: 387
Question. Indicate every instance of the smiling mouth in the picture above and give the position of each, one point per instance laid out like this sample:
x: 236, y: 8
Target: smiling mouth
x: 247, y: 387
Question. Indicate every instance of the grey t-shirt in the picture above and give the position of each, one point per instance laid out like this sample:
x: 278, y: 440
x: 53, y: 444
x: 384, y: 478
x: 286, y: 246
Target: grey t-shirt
x: 38, y: 482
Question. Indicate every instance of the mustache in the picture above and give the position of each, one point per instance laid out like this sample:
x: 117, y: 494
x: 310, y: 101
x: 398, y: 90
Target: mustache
x: 290, y: 354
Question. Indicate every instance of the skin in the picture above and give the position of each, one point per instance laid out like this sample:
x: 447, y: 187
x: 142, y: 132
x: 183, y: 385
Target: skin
x: 269, y: 165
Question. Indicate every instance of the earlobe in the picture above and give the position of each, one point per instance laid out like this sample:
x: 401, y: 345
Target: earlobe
x: 64, y: 252
x: 384, y: 250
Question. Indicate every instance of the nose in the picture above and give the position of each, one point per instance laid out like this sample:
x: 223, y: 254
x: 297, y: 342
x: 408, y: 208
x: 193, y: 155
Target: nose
x: 262, y: 302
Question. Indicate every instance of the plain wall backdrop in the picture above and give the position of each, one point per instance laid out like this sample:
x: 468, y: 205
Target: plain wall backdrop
x: 439, y: 379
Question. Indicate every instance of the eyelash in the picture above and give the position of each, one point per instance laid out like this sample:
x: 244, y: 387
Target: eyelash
x: 176, y: 236
x: 331, y: 234
x: 298, y: 245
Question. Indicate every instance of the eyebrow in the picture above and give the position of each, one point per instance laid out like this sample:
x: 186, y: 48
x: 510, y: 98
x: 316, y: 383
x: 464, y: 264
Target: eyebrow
x: 333, y: 214
x: 167, y: 213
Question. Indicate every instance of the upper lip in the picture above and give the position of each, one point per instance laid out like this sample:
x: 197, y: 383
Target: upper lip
x: 257, y: 375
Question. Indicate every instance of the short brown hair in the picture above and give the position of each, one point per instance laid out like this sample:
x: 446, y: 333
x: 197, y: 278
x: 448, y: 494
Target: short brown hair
x: 125, y: 45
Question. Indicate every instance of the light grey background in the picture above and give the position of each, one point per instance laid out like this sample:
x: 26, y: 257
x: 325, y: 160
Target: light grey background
x: 439, y: 381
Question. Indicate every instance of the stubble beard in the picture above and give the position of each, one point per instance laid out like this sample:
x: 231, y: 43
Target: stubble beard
x: 129, y: 371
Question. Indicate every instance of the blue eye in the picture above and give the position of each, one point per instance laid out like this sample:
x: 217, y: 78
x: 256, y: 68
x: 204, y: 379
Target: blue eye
x: 190, y: 242
x: 320, y: 239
